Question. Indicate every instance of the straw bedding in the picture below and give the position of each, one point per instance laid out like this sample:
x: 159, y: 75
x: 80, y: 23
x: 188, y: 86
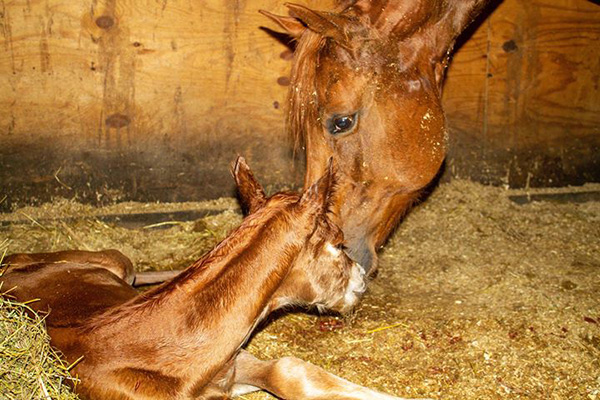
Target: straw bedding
x: 476, y: 297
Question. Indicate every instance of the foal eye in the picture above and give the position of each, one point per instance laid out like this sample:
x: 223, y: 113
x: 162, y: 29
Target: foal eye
x: 341, y: 123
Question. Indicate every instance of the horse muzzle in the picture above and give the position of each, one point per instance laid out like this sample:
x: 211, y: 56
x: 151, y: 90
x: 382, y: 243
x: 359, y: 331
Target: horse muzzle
x: 363, y: 254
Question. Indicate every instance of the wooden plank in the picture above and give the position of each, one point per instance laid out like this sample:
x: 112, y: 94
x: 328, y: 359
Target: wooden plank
x: 140, y: 99
x: 137, y: 69
x: 150, y: 100
x: 531, y: 115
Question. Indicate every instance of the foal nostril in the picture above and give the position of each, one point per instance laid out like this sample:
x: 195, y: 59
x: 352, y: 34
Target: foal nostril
x: 362, y: 287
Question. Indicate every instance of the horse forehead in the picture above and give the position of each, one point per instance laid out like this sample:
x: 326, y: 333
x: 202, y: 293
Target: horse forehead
x: 373, y: 58
x: 342, y: 87
x: 346, y: 87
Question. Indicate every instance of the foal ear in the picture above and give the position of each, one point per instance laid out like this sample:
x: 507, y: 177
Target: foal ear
x: 251, y: 194
x: 320, y: 193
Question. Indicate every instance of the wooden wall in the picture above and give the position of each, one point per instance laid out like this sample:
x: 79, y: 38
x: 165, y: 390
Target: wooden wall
x: 151, y: 100
x: 522, y: 96
x: 139, y: 99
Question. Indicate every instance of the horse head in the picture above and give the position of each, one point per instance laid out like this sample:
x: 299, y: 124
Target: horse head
x: 322, y: 274
x: 366, y: 90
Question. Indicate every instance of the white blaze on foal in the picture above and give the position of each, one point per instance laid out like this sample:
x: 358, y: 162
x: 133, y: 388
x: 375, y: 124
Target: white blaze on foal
x: 356, y: 283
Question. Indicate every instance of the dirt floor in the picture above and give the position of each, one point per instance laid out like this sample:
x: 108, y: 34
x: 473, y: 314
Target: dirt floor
x: 476, y: 297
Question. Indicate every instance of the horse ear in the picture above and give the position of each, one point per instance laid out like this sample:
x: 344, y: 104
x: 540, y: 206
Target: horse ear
x: 320, y: 194
x: 442, y: 20
x: 327, y: 24
x: 251, y: 194
x: 293, y: 26
x: 456, y: 16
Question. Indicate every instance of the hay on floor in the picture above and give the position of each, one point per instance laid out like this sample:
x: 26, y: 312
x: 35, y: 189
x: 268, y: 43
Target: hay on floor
x: 29, y: 367
x: 476, y: 297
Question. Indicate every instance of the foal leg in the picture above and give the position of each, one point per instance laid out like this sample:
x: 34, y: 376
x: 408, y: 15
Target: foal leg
x: 111, y: 260
x: 293, y: 379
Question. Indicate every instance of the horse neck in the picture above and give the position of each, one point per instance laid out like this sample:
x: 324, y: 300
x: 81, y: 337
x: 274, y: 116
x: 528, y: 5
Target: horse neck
x: 213, y: 306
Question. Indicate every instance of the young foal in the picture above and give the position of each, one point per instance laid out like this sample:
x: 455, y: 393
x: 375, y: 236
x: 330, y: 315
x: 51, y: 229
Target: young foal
x: 182, y: 340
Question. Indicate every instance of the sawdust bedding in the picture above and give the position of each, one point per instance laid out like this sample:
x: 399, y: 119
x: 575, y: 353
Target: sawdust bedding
x: 476, y: 297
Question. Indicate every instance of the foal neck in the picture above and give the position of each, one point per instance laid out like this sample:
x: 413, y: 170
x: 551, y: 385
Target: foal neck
x: 222, y: 295
x: 200, y: 318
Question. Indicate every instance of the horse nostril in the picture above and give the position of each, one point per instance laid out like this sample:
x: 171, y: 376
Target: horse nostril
x: 361, y: 254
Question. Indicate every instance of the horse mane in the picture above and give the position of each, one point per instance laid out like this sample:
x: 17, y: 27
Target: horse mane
x: 302, y: 96
x: 245, y: 233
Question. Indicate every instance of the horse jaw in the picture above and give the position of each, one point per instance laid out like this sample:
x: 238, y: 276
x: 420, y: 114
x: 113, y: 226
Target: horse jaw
x: 368, y: 221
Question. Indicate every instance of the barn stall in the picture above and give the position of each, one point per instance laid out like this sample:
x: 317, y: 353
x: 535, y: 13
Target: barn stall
x: 120, y: 119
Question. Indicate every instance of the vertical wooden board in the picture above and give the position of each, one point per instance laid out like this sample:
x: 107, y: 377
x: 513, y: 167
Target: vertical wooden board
x: 531, y: 115
x: 144, y: 99
x: 545, y: 62
x: 154, y: 67
x: 38, y: 38
x: 130, y: 60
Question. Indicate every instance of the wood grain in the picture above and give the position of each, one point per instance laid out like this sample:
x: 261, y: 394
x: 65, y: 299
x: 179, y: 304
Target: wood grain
x: 136, y: 99
x: 151, y: 100
x: 161, y: 69
x: 531, y: 113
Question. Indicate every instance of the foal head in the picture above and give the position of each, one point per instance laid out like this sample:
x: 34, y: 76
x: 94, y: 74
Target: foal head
x: 366, y: 89
x: 321, y: 273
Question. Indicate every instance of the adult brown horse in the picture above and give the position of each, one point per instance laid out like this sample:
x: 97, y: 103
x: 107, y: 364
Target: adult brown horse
x: 366, y: 89
x: 182, y: 340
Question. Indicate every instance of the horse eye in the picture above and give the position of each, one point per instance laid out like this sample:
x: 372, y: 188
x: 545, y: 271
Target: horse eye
x: 341, y: 123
